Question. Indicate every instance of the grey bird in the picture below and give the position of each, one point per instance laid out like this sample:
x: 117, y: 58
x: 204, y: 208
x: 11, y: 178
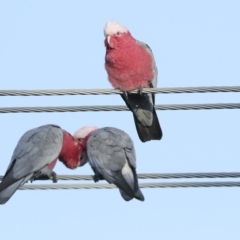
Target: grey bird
x: 35, y: 156
x: 111, y: 154
x: 130, y: 65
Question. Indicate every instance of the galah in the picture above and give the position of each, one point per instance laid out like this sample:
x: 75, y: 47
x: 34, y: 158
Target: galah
x: 130, y: 65
x: 35, y: 156
x: 111, y: 154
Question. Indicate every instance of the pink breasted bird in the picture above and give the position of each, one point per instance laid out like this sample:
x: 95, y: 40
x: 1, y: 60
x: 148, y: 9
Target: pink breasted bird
x: 130, y: 65
x: 35, y: 157
x: 111, y: 154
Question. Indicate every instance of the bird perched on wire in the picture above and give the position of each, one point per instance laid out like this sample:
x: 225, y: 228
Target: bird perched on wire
x: 111, y: 154
x: 130, y: 65
x: 35, y: 157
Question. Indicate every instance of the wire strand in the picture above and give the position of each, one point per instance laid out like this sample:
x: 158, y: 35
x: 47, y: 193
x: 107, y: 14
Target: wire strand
x: 216, y: 106
x: 142, y: 185
x: 157, y: 176
x: 58, y: 92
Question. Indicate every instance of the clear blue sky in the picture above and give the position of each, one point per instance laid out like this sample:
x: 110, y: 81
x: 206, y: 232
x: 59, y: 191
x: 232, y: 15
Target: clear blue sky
x: 59, y: 45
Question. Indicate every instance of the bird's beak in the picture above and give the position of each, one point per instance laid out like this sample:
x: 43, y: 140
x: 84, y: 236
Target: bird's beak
x: 108, y: 39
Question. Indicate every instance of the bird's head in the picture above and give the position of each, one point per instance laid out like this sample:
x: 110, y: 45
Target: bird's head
x: 83, y: 133
x: 113, y: 33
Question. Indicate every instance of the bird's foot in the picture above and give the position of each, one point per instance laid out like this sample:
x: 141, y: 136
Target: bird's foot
x: 125, y: 94
x: 53, y: 177
x: 140, y: 89
x: 96, y: 178
x: 35, y: 177
x: 150, y: 84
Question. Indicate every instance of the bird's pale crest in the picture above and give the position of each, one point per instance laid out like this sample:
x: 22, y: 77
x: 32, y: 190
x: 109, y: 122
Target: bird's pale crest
x: 113, y: 28
x: 84, y: 131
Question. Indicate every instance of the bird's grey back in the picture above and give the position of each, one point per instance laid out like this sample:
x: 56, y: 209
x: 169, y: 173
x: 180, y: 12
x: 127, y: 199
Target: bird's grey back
x: 36, y: 148
x: 111, y: 153
x: 154, y: 66
x: 111, y: 142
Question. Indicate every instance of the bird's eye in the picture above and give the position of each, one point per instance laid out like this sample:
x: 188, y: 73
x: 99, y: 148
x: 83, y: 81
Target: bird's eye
x: 118, y: 33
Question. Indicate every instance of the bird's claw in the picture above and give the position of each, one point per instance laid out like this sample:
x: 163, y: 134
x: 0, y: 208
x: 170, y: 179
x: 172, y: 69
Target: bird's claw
x: 35, y: 177
x: 53, y: 177
x: 96, y: 178
x: 150, y: 84
x: 140, y: 89
x: 125, y: 93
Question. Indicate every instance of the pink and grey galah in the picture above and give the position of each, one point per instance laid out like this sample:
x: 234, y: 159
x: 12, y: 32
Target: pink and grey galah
x: 130, y: 65
x: 111, y: 154
x: 35, y: 157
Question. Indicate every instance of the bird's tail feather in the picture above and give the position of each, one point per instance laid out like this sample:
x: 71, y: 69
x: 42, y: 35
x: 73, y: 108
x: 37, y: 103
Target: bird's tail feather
x: 121, y: 183
x: 137, y: 192
x: 125, y: 196
x: 138, y: 195
x: 145, y: 103
x: 130, y: 176
x: 7, y: 193
x: 147, y: 133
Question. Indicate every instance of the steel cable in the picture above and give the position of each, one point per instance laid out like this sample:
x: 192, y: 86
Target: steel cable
x: 159, y: 176
x: 216, y: 106
x: 58, y: 92
x: 142, y: 185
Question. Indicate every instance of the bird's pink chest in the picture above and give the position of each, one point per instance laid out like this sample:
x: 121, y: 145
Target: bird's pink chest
x: 130, y: 68
x: 71, y: 152
x: 52, y: 164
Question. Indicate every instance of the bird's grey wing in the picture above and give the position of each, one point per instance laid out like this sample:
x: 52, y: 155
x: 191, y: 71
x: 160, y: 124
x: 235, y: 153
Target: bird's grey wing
x: 154, y: 81
x: 7, y: 193
x: 36, y: 149
x: 106, y: 153
x: 131, y: 156
x: 83, y: 159
x: 142, y: 106
x: 145, y: 116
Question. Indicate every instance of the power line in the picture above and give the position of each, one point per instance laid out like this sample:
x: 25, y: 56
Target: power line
x: 142, y: 185
x: 158, y: 176
x: 124, y: 108
x: 59, y: 92
x: 216, y: 106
